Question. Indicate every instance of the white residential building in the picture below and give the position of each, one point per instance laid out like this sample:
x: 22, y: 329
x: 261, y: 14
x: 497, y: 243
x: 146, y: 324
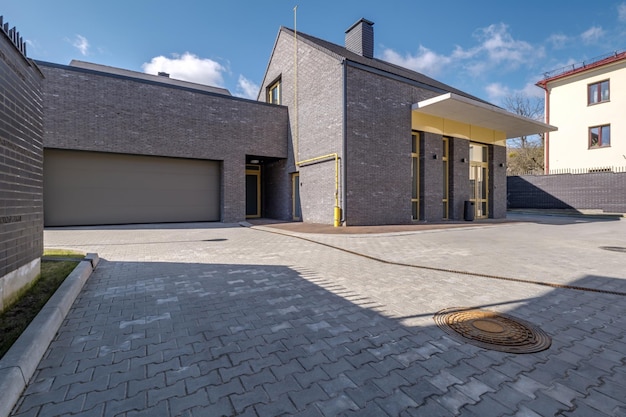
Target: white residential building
x: 587, y: 102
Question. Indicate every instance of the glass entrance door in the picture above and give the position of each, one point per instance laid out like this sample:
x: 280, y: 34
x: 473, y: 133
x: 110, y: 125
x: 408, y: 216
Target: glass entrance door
x: 479, y: 174
x: 253, y: 191
x: 295, y: 193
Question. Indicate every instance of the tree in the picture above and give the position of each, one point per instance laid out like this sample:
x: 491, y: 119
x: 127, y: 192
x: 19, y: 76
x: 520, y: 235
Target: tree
x: 525, y: 154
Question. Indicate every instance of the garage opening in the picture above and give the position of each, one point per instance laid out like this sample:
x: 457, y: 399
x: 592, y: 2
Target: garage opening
x: 95, y: 188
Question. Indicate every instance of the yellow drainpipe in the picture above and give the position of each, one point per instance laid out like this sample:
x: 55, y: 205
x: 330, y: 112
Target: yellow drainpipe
x: 337, y: 209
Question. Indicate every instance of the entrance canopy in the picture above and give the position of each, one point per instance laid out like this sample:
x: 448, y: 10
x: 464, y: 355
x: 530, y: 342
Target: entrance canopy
x: 466, y: 110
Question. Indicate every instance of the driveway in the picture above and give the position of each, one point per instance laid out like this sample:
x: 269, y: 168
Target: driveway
x: 215, y: 319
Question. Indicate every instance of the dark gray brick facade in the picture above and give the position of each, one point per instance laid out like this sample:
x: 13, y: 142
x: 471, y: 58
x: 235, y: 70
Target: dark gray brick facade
x: 459, y: 186
x: 316, y: 121
x: 600, y: 191
x: 431, y: 190
x: 21, y: 168
x: 95, y: 111
x: 364, y: 115
x: 333, y: 108
x: 497, y: 182
x: 378, y: 139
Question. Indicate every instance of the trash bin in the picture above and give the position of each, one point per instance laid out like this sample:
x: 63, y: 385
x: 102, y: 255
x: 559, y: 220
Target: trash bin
x: 469, y: 211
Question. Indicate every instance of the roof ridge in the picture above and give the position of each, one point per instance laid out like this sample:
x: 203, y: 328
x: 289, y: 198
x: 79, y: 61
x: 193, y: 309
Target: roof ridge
x: 379, y: 64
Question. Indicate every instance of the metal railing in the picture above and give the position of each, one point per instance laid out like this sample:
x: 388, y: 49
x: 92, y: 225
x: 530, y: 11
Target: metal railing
x: 583, y: 64
x: 575, y: 171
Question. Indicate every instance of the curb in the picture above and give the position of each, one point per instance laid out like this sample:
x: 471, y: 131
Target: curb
x: 19, y: 364
x: 590, y: 214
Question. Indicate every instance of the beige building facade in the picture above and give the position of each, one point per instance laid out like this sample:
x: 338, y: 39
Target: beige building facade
x: 587, y: 104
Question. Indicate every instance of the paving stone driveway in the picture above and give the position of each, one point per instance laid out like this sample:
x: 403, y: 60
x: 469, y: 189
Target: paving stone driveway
x: 222, y: 320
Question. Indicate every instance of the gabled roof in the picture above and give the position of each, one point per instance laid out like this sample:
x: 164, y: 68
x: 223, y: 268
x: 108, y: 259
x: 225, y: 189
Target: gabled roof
x: 380, y: 65
x: 449, y: 102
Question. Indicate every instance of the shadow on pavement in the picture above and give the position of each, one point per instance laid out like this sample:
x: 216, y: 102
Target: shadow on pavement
x: 267, y: 340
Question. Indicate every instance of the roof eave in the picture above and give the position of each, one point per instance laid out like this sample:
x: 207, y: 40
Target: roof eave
x: 455, y: 107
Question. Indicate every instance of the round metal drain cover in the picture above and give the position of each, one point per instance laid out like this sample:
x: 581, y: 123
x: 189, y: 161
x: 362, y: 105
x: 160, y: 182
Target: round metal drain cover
x: 491, y: 330
x: 614, y: 248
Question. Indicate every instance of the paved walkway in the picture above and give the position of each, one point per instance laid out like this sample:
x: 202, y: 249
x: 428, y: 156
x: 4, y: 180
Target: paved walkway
x: 213, y: 319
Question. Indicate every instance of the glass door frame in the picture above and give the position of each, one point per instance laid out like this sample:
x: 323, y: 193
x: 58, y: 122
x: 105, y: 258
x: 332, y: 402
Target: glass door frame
x: 479, y: 168
x: 446, y: 178
x: 256, y: 171
x: 296, y: 208
x: 415, y: 175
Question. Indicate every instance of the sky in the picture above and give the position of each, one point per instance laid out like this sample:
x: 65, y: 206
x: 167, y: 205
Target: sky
x: 490, y: 49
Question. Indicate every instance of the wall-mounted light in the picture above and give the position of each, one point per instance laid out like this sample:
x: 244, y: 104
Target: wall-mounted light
x: 254, y: 161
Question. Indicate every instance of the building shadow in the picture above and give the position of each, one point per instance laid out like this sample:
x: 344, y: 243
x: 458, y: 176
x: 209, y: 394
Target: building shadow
x: 523, y: 194
x: 187, y: 339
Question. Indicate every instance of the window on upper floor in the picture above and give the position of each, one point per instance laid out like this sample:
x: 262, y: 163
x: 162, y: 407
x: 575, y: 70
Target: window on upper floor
x: 273, y: 93
x: 599, y: 136
x: 598, y: 92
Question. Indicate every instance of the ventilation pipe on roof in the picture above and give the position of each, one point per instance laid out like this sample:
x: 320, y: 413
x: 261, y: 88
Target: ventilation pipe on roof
x: 164, y: 74
x: 360, y: 38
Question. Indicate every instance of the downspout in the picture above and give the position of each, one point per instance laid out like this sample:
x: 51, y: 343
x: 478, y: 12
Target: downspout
x: 344, y: 145
x: 296, y: 150
x: 546, y: 142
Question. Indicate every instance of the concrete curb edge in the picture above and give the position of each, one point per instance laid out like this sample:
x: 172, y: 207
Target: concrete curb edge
x: 19, y: 364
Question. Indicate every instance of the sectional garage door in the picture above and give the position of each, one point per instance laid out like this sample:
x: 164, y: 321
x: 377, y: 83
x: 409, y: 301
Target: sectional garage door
x: 91, y: 188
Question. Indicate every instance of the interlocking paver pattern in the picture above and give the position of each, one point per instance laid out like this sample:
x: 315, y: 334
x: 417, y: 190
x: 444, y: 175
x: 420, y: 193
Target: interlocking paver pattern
x: 222, y: 320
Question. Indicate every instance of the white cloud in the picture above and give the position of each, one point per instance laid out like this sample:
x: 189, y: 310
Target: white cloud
x: 425, y: 61
x: 187, y: 67
x: 500, y: 46
x: 531, y: 90
x: 495, y: 49
x: 82, y: 44
x: 496, y: 92
x: 621, y: 12
x: 593, y: 34
x: 558, y: 40
x: 246, y: 88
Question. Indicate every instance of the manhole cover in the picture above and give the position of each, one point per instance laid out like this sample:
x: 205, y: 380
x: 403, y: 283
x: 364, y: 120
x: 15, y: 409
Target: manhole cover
x: 614, y: 248
x: 491, y: 330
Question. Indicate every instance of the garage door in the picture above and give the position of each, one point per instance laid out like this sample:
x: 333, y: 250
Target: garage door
x: 91, y: 188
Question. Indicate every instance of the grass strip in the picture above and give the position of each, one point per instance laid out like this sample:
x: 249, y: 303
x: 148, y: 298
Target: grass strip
x: 15, y: 319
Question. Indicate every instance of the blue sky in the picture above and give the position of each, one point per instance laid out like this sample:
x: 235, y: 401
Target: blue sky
x: 490, y: 49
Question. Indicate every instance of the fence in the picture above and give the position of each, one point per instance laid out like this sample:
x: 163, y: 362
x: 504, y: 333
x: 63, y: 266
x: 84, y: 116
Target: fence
x: 575, y: 171
x: 588, y: 189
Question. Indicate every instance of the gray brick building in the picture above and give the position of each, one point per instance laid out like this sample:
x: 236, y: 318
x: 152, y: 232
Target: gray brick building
x: 126, y: 147
x: 409, y: 147
x: 336, y: 136
x: 21, y: 176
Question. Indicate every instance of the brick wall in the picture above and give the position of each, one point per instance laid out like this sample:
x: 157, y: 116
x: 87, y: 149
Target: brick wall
x: 92, y: 111
x: 378, y: 136
x: 459, y: 185
x: 497, y: 182
x: 431, y: 177
x: 601, y: 191
x: 316, y: 121
x: 21, y: 170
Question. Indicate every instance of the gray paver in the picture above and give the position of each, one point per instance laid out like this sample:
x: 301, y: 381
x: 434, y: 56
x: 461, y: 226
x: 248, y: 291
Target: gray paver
x: 174, y: 322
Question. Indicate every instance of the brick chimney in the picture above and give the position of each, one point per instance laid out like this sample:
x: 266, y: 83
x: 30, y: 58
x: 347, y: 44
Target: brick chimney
x: 360, y: 38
